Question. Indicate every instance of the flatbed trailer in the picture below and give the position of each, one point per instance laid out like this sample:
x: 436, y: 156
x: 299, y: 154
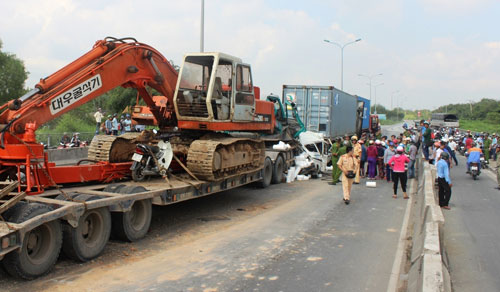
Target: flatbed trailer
x: 79, y: 220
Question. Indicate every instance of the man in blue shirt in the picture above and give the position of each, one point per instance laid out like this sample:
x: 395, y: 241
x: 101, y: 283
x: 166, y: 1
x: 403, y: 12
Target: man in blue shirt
x: 444, y: 181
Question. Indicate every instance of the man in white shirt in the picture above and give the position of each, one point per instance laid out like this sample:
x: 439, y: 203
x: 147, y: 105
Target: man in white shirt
x: 98, y: 118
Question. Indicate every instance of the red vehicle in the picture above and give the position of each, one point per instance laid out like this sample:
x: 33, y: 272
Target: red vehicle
x: 213, y: 96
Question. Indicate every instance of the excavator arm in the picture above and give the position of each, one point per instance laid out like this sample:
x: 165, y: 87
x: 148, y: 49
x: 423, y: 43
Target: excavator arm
x: 111, y: 63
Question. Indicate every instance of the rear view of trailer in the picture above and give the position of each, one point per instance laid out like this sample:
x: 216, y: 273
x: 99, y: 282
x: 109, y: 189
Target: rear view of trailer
x: 324, y: 109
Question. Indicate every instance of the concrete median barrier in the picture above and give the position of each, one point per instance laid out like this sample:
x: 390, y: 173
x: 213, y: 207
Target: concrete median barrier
x: 426, y: 267
x: 67, y: 155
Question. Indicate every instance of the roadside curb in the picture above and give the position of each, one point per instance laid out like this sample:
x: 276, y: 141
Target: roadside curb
x: 427, y: 265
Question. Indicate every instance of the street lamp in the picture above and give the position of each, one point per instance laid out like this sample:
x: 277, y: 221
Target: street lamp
x: 370, y: 77
x: 392, y: 96
x: 375, y: 87
x: 342, y: 59
x: 202, y: 29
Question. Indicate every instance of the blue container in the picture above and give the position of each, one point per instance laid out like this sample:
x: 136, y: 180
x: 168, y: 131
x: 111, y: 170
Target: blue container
x: 324, y: 109
x: 366, y: 112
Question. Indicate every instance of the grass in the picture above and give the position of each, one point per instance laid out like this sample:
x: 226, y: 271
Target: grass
x: 480, y: 126
x: 388, y: 122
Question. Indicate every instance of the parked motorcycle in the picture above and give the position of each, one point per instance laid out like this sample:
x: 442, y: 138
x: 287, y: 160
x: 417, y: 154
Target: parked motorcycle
x: 151, y: 160
x: 475, y: 170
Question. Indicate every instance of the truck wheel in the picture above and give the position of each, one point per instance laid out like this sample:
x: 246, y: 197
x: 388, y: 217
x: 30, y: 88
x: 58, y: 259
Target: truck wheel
x: 114, y: 188
x: 137, y: 173
x: 89, y: 238
x: 134, y: 224
x: 278, y: 170
x: 267, y: 173
x: 41, y: 245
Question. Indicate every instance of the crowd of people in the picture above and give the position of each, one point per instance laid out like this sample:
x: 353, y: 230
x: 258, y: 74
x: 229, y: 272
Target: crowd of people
x: 383, y: 158
x: 112, y: 125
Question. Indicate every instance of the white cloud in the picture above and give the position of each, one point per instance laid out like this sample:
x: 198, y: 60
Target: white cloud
x: 284, y: 45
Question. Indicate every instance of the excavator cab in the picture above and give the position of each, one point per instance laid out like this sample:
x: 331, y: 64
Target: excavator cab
x: 215, y: 88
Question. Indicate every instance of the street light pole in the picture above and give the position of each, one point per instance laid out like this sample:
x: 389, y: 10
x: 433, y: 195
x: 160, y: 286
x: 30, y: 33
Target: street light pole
x: 341, y: 58
x: 370, y: 77
x: 375, y: 87
x: 392, y: 96
x: 202, y: 27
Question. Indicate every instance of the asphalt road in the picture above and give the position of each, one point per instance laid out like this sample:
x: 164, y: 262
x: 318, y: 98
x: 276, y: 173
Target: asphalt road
x: 287, y: 237
x: 471, y: 233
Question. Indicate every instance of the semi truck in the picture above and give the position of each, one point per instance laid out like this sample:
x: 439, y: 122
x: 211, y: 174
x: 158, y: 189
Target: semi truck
x: 221, y: 136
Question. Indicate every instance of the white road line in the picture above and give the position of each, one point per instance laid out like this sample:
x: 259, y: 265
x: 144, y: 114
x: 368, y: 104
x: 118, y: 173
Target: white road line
x: 398, y: 260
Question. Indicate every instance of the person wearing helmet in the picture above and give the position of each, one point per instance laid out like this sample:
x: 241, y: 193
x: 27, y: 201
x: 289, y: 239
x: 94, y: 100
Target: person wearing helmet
x: 347, y: 164
x: 371, y: 157
x: 468, y: 142
x: 127, y: 124
x: 444, y: 181
x: 388, y: 154
x: 75, y: 140
x: 426, y: 139
x: 357, y: 155
x: 398, y: 165
x: 109, y: 125
x: 64, y: 140
x: 473, y: 155
x: 114, y: 127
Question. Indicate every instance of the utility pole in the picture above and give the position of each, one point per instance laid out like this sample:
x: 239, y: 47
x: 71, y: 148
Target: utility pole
x: 392, y: 96
x: 370, y: 77
x: 202, y: 27
x: 341, y: 59
x: 375, y: 87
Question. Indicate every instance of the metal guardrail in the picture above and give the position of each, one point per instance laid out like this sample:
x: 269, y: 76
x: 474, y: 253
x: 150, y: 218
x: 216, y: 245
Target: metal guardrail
x: 53, y: 139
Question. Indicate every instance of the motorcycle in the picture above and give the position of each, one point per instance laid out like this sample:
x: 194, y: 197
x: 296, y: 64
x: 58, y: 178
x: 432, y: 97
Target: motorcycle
x: 475, y: 170
x: 484, y: 163
x: 151, y: 160
x: 461, y: 150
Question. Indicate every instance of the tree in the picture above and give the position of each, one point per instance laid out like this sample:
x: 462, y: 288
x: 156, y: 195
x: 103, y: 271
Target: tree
x: 12, y: 76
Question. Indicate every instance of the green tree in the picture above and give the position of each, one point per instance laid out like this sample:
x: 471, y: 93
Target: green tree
x: 12, y: 76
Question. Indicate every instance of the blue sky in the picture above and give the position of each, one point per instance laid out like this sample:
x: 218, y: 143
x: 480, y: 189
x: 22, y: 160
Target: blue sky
x: 434, y: 52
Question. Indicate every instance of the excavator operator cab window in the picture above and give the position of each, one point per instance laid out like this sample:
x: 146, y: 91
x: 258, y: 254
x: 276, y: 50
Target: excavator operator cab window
x: 193, y: 86
x: 244, y: 88
x: 221, y: 92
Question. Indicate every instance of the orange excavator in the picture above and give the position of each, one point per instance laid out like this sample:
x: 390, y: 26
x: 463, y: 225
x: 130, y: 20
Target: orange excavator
x: 213, y: 96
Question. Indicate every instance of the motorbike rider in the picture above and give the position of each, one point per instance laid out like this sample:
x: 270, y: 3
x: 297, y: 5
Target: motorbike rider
x: 75, y: 140
x: 473, y: 155
x: 65, y: 139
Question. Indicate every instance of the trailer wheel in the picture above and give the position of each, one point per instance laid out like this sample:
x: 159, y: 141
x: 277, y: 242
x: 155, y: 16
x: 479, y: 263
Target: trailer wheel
x: 114, y: 188
x: 41, y: 245
x: 134, y: 224
x: 267, y: 173
x: 89, y: 238
x: 278, y: 170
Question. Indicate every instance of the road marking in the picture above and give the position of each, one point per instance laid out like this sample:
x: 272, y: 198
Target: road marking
x: 398, y: 260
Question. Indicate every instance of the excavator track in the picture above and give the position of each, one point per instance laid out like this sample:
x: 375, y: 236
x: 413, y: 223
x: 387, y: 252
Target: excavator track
x: 213, y: 159
x: 113, y: 148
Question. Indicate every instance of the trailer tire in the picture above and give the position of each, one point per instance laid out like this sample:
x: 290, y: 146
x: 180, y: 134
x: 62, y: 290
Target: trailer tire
x: 267, y: 173
x: 114, y: 188
x: 278, y: 170
x: 90, y: 237
x: 134, y: 224
x: 41, y: 245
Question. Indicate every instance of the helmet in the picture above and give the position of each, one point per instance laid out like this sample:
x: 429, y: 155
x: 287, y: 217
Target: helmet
x: 426, y: 122
x: 354, y: 137
x: 128, y: 115
x: 115, y: 114
x: 383, y: 144
x: 346, y: 142
x: 370, y: 142
x: 361, y: 142
x: 400, y: 149
x: 445, y: 155
x: 377, y: 142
